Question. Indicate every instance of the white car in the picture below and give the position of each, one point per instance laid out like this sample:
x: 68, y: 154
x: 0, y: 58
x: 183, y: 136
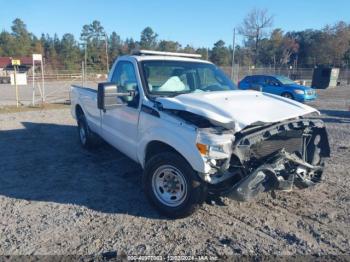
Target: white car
x: 195, y: 134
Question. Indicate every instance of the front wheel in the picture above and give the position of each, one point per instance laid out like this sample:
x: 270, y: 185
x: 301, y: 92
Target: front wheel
x: 172, y: 186
x: 287, y: 95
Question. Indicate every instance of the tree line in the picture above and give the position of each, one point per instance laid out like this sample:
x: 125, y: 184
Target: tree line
x: 262, y: 45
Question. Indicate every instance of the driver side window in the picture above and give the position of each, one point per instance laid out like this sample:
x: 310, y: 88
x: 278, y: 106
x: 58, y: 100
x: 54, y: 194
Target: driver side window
x: 271, y: 81
x: 124, y: 77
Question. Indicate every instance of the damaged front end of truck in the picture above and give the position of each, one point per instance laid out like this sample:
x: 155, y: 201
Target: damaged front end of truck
x: 279, y: 157
x: 247, y: 158
x: 262, y: 157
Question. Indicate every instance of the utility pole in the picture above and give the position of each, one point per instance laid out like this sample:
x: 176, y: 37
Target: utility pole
x: 15, y: 63
x: 106, y: 42
x: 85, y: 59
x: 83, y: 63
x: 33, y: 83
x: 16, y: 86
x: 42, y: 81
x: 82, y: 73
x: 233, y: 53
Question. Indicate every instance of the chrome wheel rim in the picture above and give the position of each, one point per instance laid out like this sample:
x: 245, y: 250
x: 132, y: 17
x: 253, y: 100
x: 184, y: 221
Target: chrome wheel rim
x: 169, y: 186
x: 82, y: 135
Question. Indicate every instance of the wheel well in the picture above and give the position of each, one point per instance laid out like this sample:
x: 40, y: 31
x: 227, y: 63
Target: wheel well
x: 78, y: 111
x: 287, y: 93
x: 156, y: 147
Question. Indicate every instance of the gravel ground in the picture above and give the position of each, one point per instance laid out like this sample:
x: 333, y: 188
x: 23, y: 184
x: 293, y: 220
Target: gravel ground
x: 56, y: 198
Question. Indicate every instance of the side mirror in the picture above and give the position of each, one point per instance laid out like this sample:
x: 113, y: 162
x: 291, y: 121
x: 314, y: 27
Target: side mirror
x: 109, y: 96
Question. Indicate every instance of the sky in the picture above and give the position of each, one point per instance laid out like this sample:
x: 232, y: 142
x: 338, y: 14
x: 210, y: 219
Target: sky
x: 199, y: 23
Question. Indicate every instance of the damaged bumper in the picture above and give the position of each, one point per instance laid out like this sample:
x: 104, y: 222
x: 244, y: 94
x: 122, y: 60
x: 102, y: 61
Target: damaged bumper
x: 278, y: 157
x: 267, y: 177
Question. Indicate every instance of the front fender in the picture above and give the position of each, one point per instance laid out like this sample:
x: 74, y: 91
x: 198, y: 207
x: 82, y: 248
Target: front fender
x: 182, y: 139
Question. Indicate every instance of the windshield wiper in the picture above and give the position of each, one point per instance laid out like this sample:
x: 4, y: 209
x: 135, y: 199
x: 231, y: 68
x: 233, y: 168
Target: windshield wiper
x: 171, y: 93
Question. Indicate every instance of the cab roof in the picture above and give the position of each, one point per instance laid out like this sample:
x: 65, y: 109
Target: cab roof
x: 144, y: 55
x: 168, y: 58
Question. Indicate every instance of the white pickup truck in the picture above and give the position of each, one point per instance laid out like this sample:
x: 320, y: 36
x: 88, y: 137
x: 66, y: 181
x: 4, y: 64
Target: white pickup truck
x: 195, y: 135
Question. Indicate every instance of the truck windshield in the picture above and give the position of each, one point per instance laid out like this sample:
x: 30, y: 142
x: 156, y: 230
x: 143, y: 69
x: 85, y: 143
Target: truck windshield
x: 171, y: 78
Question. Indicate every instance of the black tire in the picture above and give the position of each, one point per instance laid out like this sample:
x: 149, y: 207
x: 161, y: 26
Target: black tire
x: 288, y: 95
x: 86, y: 136
x: 196, y: 189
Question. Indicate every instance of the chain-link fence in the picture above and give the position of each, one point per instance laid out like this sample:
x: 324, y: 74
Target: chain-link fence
x: 299, y: 74
x: 90, y: 74
x: 58, y: 82
x: 303, y: 75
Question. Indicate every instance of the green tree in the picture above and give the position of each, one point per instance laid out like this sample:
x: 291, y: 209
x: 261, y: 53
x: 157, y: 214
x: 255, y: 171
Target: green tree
x: 69, y: 53
x: 36, y: 46
x: 306, y: 40
x: 148, y: 39
x: 7, y: 42
x: 204, y: 52
x: 129, y: 45
x: 169, y: 46
x: 22, y: 38
x: 278, y: 49
x: 49, y: 51
x: 94, y: 36
x: 338, y: 38
x: 220, y: 54
x: 243, y: 56
x: 92, y: 31
x: 115, y: 46
x: 329, y: 46
x: 189, y: 49
x: 19, y: 28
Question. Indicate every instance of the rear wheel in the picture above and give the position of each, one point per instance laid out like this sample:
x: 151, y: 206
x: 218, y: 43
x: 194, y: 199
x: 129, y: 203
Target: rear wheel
x: 86, y: 136
x: 287, y: 95
x: 172, y: 186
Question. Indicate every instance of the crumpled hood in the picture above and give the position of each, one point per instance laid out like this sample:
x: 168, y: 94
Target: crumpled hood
x: 237, y: 108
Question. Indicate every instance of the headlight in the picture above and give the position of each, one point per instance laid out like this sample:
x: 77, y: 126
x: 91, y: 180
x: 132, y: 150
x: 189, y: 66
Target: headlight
x: 299, y: 91
x: 219, y: 151
x: 215, y: 151
x: 214, y: 145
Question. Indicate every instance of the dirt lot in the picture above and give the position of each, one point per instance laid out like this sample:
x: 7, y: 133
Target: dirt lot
x: 56, y: 198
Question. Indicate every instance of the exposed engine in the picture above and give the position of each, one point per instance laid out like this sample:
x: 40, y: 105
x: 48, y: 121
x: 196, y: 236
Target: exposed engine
x: 276, y: 157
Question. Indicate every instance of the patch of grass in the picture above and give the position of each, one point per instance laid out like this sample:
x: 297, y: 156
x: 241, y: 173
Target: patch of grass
x: 14, y: 109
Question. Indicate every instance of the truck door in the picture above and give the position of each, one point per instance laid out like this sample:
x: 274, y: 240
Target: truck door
x: 120, y: 125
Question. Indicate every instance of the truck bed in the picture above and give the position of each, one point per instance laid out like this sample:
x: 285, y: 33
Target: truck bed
x: 86, y: 99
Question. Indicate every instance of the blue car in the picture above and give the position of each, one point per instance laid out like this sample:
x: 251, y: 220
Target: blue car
x: 278, y: 85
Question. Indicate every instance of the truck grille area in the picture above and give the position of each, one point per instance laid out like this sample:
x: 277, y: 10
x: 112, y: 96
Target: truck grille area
x: 290, y: 140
